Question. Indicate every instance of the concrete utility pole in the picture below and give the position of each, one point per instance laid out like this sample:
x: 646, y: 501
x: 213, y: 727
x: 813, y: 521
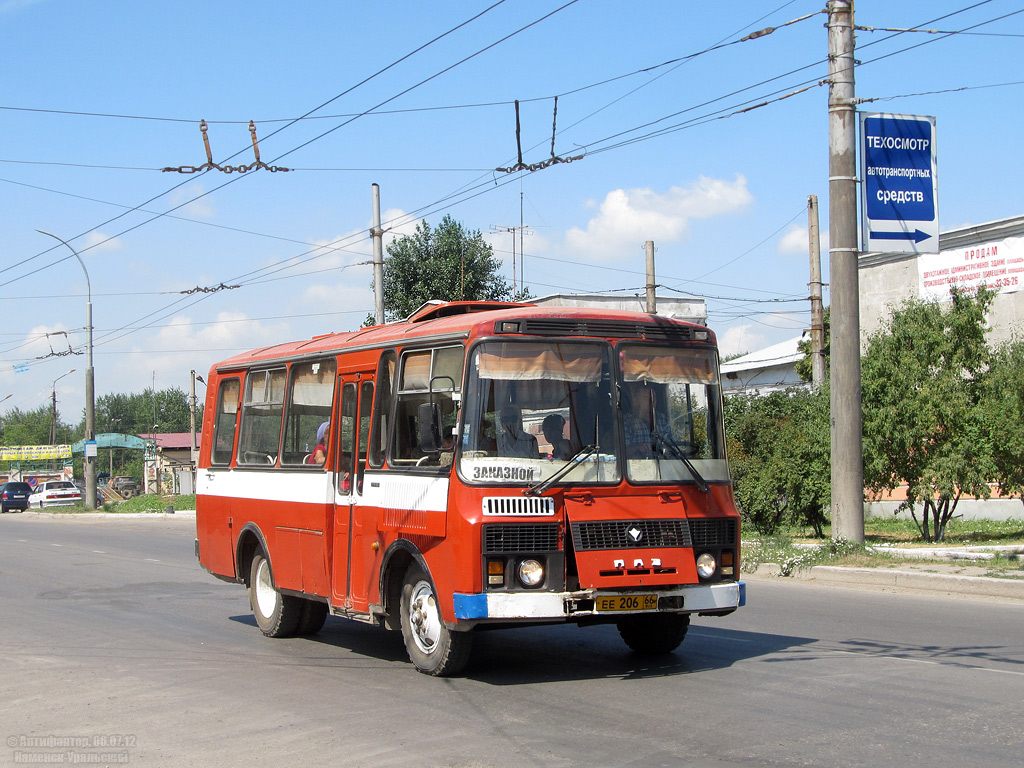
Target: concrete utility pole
x: 378, y: 259
x: 817, y: 313
x: 847, y: 454
x: 192, y: 426
x: 652, y: 302
x: 89, y: 444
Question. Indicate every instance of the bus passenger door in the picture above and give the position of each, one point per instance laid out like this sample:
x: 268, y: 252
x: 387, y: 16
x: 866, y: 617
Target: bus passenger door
x: 353, y: 432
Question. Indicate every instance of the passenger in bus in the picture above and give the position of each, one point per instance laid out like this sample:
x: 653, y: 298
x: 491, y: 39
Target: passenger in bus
x: 641, y: 414
x: 552, y: 427
x: 447, y: 447
x: 513, y: 440
x: 486, y: 440
x: 319, y: 454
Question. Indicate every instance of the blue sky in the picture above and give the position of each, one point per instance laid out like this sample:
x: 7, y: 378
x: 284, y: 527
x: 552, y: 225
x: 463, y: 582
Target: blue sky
x: 99, y: 96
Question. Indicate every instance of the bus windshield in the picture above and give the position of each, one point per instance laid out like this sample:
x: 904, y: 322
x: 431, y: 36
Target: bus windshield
x: 531, y: 406
x: 671, y: 414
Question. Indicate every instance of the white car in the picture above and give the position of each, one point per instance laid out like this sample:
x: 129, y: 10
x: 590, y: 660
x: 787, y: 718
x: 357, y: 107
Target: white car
x: 55, y: 493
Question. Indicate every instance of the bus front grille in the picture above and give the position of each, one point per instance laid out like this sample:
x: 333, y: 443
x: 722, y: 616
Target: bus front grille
x: 519, y: 505
x: 508, y: 538
x: 713, y: 532
x: 630, y: 534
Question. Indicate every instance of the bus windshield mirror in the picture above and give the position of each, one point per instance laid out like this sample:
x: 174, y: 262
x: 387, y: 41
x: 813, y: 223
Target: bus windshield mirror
x: 429, y: 417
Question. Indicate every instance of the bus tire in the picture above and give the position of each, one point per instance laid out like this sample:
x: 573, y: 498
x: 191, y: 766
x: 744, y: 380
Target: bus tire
x: 432, y: 647
x: 276, y: 615
x: 654, y: 633
x: 311, y: 621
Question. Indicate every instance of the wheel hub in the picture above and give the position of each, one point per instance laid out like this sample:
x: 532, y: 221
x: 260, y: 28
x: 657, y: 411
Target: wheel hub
x: 266, y: 595
x: 424, y: 618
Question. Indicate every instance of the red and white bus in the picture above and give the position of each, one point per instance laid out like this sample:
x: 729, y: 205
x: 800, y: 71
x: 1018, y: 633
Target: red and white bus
x: 483, y: 463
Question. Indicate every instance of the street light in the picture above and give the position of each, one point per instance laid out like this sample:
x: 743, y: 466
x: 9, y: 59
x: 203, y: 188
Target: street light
x: 89, y: 462
x: 53, y: 409
x: 192, y: 407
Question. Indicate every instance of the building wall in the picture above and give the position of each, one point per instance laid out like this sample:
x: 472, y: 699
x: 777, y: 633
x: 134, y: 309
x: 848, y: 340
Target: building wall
x: 886, y: 280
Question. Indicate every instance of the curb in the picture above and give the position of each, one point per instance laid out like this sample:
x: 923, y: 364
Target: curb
x: 184, y: 513
x: 968, y: 586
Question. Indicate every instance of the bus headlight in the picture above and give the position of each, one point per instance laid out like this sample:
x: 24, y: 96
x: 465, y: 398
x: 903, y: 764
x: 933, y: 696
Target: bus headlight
x: 706, y: 565
x: 531, y: 573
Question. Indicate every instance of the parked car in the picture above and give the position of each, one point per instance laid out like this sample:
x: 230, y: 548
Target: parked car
x: 100, y: 499
x: 55, y: 493
x: 125, y: 485
x: 14, y: 496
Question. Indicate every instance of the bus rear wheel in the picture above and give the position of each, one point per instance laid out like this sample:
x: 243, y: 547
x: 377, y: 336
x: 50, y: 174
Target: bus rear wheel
x: 314, y: 614
x: 432, y: 647
x: 276, y: 615
x: 654, y: 633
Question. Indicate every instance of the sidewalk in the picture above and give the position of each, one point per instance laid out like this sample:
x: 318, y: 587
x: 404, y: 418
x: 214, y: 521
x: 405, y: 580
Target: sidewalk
x: 952, y: 580
x: 187, y: 514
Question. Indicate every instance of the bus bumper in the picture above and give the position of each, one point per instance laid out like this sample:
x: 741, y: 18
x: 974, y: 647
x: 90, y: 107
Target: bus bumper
x: 568, y: 605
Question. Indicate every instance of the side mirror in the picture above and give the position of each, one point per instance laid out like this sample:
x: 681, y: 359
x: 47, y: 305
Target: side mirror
x: 429, y: 417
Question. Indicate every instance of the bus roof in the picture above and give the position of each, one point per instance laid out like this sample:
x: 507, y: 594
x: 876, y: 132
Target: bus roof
x: 465, y: 319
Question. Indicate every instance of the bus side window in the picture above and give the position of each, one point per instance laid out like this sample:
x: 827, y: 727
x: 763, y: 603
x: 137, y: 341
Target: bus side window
x: 430, y: 376
x: 262, y: 408
x: 225, y: 421
x: 347, y: 437
x: 365, y: 406
x: 382, y: 411
x: 309, y: 406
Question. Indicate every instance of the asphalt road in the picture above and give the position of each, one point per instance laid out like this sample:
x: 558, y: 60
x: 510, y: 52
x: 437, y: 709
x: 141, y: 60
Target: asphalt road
x: 115, y: 643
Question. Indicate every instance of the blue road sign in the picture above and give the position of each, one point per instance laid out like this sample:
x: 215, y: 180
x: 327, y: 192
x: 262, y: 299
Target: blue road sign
x: 899, y: 201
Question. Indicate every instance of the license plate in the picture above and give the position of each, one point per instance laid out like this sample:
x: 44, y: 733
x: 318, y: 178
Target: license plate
x: 616, y: 603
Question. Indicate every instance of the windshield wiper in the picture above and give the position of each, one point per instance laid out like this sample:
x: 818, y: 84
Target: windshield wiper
x: 576, y: 458
x: 674, y: 448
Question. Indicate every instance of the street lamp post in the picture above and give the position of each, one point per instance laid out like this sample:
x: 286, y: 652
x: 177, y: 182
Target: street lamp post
x: 53, y: 406
x: 89, y: 462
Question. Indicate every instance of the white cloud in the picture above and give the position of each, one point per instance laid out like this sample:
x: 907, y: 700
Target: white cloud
x: 626, y: 218
x: 201, y: 208
x: 354, y: 295
x: 230, y: 330
x: 793, y: 242
x: 97, y: 242
x: 397, y: 223
x: 740, y: 339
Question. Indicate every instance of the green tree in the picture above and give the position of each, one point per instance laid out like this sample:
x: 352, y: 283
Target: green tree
x: 923, y: 379
x: 1002, y: 407
x: 778, y: 448
x: 138, y: 412
x: 31, y: 427
x: 805, y: 365
x: 448, y: 263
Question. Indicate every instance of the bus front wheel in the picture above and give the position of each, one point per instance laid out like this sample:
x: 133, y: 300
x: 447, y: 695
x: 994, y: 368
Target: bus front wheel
x: 276, y: 615
x: 654, y: 633
x: 433, y: 648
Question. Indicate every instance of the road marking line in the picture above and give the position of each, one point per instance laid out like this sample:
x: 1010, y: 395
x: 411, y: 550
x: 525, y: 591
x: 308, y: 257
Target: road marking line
x: 151, y: 560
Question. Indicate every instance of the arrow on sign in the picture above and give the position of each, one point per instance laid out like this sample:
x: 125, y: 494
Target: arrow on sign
x: 917, y: 235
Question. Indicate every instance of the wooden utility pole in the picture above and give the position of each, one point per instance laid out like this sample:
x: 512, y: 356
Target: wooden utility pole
x: 847, y: 454
x: 378, y: 259
x: 652, y: 303
x: 817, y: 312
